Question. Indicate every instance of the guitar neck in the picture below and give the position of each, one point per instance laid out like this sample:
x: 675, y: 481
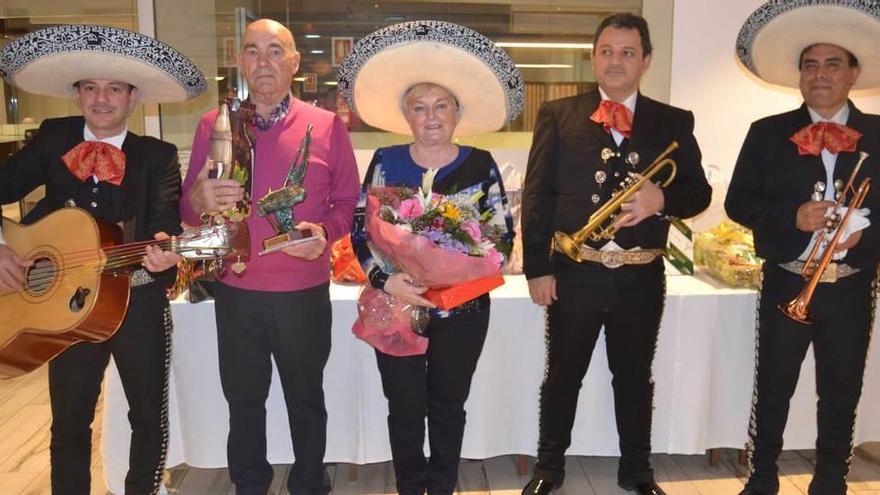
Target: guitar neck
x: 123, y: 255
x: 199, y: 243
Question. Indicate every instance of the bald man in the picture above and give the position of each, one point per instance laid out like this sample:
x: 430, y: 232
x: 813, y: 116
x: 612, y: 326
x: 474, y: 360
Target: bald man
x: 285, y: 295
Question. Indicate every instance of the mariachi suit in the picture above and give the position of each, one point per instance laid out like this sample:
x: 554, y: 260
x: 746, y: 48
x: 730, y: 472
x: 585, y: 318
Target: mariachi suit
x: 562, y: 189
x: 770, y: 181
x: 145, y: 203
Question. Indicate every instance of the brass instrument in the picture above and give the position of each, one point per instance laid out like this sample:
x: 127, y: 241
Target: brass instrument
x: 594, y: 230
x: 798, y: 308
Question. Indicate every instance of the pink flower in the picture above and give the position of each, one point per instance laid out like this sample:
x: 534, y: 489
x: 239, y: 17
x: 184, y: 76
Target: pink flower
x: 410, y: 208
x: 496, y: 257
x: 473, y: 229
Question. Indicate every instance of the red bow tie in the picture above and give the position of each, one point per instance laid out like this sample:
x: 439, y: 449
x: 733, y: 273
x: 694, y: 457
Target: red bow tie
x: 613, y: 115
x: 104, y: 161
x: 834, y: 137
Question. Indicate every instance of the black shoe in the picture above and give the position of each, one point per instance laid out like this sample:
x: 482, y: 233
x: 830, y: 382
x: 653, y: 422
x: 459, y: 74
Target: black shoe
x: 540, y: 486
x: 649, y: 488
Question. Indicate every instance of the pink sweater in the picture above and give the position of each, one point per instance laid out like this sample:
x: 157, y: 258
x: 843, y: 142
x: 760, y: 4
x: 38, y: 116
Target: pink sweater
x: 331, y: 183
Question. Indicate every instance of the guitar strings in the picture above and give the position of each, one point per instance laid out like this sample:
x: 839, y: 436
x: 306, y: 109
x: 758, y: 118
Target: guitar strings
x: 117, y: 256
x: 44, y: 274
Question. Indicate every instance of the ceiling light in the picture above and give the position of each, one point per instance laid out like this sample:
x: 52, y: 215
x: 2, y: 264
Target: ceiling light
x: 544, y: 66
x: 313, y: 36
x: 331, y: 83
x: 219, y: 78
x: 530, y: 44
x: 299, y: 79
x: 316, y: 52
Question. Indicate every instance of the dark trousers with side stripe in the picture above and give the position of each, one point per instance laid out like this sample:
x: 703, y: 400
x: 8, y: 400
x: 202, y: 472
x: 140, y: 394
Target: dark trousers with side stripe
x: 843, y: 315
x: 141, y: 350
x: 253, y: 327
x: 628, y: 301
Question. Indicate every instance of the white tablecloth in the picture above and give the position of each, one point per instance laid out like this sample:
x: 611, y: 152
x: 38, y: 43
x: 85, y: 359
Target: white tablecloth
x: 703, y: 372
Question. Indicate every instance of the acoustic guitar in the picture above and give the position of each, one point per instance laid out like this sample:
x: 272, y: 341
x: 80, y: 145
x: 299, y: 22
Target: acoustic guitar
x: 77, y: 288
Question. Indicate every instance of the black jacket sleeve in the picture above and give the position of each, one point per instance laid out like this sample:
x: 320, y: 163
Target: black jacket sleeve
x: 771, y: 215
x: 690, y: 192
x: 539, y: 197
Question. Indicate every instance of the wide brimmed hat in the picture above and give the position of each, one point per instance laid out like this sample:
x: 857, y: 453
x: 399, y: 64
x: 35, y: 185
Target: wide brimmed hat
x: 51, y: 60
x: 773, y: 37
x: 386, y: 63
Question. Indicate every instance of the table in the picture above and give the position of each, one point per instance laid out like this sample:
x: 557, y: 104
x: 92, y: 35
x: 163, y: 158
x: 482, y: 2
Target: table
x: 703, y: 371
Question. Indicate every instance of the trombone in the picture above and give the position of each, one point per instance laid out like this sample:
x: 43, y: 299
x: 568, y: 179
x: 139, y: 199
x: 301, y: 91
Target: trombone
x: 798, y: 308
x: 569, y: 245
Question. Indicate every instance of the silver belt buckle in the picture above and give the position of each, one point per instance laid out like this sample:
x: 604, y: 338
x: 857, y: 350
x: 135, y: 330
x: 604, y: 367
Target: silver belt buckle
x: 612, y: 259
x: 830, y: 274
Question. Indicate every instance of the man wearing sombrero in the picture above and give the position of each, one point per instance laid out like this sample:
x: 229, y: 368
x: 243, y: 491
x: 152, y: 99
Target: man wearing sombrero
x: 92, y: 161
x: 790, y: 170
x: 583, y: 149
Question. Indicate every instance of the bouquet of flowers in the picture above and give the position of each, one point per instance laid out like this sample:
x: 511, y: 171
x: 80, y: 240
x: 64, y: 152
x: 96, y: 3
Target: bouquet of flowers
x: 442, y: 242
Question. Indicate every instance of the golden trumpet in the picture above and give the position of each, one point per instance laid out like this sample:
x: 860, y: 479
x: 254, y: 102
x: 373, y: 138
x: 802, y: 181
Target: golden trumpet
x: 798, y: 308
x: 594, y: 230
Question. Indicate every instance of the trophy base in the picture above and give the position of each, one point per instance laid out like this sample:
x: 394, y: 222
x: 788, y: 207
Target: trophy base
x: 281, y: 241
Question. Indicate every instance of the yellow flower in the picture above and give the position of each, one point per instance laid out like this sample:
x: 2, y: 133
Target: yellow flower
x: 450, y: 211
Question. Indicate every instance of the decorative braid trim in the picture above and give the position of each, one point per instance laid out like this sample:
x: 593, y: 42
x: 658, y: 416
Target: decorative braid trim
x: 753, y: 427
x: 875, y: 289
x: 163, y: 420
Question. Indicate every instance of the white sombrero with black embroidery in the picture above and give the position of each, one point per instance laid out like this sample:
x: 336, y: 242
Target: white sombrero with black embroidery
x: 773, y: 37
x: 383, y: 65
x: 51, y: 60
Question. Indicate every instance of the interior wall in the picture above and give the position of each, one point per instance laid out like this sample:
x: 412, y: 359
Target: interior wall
x: 659, y: 14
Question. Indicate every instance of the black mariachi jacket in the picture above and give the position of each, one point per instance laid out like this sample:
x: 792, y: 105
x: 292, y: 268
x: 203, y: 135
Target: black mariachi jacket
x: 771, y: 180
x: 145, y: 203
x: 566, y: 170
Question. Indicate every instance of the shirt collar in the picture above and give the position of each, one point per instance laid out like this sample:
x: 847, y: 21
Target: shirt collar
x: 116, y: 140
x: 276, y: 115
x: 840, y: 117
x: 628, y: 102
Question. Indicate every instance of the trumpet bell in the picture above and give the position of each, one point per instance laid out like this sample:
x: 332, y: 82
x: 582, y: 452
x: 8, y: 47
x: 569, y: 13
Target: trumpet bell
x: 565, y: 244
x: 797, y: 311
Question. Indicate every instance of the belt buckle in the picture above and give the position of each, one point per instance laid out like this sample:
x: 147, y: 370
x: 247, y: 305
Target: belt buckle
x: 612, y: 259
x: 830, y: 274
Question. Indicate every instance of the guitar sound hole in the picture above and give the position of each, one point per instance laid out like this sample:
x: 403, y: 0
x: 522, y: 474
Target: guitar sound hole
x: 40, y: 276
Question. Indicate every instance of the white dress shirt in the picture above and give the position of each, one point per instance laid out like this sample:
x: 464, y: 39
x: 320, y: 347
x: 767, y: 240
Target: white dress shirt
x: 630, y: 103
x: 859, y: 219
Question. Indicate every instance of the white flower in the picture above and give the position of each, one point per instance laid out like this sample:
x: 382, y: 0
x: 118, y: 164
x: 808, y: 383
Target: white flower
x: 424, y: 194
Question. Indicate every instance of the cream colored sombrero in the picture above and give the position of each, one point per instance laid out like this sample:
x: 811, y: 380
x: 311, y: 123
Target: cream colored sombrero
x: 383, y: 65
x: 773, y: 37
x: 51, y: 60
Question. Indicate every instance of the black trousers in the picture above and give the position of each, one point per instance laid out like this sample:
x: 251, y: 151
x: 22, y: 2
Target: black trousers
x: 435, y: 384
x: 843, y: 316
x: 254, y: 327
x: 141, y: 349
x: 628, y: 301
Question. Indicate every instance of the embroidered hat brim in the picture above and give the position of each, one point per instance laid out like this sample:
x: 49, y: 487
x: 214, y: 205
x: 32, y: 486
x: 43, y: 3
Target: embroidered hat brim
x: 773, y: 37
x: 386, y: 63
x: 51, y: 60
